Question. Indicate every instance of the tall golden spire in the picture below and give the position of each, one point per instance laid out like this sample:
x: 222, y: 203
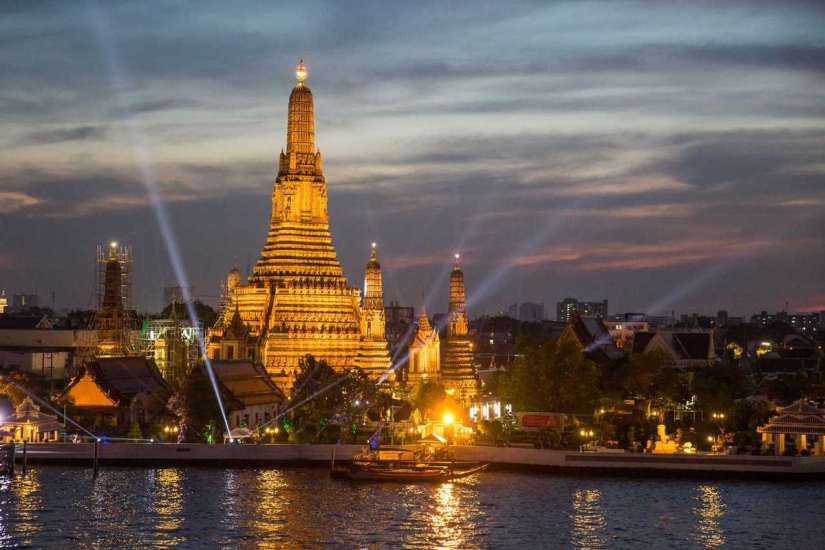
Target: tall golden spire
x: 457, y: 294
x: 373, y: 284
x: 457, y: 364
x: 300, y: 129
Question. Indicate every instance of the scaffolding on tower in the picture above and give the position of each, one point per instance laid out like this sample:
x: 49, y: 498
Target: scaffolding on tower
x: 173, y: 343
x: 113, y: 323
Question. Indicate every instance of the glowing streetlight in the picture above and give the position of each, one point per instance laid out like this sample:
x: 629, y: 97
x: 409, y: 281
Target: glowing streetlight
x: 448, y: 418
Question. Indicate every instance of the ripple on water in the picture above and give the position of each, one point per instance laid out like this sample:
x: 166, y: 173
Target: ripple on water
x: 303, y: 508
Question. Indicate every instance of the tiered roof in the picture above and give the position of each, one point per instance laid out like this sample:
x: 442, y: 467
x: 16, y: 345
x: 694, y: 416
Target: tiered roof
x: 797, y: 418
x: 120, y: 379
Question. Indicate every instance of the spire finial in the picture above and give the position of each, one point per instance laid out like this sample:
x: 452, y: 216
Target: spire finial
x: 301, y: 72
x: 372, y: 254
x: 456, y: 259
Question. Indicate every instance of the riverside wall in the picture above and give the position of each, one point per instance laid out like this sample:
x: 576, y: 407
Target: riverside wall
x: 499, y: 458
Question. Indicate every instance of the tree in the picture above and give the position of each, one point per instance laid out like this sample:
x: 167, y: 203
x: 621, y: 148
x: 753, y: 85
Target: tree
x: 316, y: 394
x: 718, y: 387
x: 200, y: 406
x: 647, y: 377
x: 790, y: 387
x: 429, y: 399
x: 496, y: 384
x: 554, y: 375
x: 358, y: 392
x: 205, y: 313
x: 134, y: 431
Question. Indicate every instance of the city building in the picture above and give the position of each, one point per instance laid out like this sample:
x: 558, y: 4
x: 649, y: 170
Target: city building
x: 810, y: 322
x: 4, y: 302
x: 399, y: 329
x: 21, y: 302
x: 567, y: 307
x: 34, y: 345
x: 623, y: 331
x: 527, y: 311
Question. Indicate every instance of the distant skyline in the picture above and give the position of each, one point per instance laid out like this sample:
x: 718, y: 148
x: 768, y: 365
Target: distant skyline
x: 663, y: 156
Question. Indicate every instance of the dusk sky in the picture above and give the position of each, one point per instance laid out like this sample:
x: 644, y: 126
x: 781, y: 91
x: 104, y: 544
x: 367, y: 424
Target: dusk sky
x: 661, y: 155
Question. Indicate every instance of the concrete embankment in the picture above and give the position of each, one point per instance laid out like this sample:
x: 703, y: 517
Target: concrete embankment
x: 532, y: 460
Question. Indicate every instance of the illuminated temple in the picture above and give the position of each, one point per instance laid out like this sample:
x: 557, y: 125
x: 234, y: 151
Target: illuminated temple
x: 457, y: 370
x: 297, y: 301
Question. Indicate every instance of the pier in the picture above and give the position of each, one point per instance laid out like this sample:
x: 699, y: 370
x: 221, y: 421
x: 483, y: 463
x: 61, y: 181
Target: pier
x: 500, y: 458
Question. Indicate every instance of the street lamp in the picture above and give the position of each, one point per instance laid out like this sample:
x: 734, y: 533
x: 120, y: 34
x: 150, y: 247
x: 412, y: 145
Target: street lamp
x: 171, y: 430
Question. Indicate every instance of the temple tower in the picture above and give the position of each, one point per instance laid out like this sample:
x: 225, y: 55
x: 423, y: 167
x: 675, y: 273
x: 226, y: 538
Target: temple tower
x: 424, y: 364
x: 457, y: 368
x: 297, y: 301
x: 112, y: 322
x: 374, y: 355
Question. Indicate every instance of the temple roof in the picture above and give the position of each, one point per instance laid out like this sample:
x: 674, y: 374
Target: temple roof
x: 797, y: 418
x: 28, y: 412
x: 593, y: 336
x: 247, y: 382
x: 121, y: 378
x: 800, y: 407
x: 23, y: 322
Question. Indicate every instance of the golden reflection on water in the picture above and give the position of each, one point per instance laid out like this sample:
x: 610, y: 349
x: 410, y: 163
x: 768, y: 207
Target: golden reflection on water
x: 447, y: 517
x: 168, y: 505
x: 269, y: 516
x: 711, y: 509
x: 589, y: 524
x: 26, y: 501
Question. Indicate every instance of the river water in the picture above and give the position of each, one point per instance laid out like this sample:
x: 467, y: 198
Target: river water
x: 54, y: 507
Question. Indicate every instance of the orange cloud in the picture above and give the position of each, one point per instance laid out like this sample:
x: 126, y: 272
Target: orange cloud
x: 621, y: 256
x: 11, y: 201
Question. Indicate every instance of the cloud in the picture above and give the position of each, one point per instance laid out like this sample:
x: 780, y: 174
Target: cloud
x: 9, y: 262
x: 12, y: 202
x: 624, y: 256
x: 78, y: 133
x: 80, y: 191
x: 158, y: 105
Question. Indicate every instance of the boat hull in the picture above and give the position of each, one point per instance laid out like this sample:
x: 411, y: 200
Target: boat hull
x: 424, y: 475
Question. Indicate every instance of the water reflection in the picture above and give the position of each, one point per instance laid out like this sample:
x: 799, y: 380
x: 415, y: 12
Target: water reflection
x: 710, y: 511
x: 269, y: 519
x: 589, y: 524
x: 5, y: 501
x: 447, y: 518
x: 26, y: 503
x: 302, y: 508
x: 168, y: 505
